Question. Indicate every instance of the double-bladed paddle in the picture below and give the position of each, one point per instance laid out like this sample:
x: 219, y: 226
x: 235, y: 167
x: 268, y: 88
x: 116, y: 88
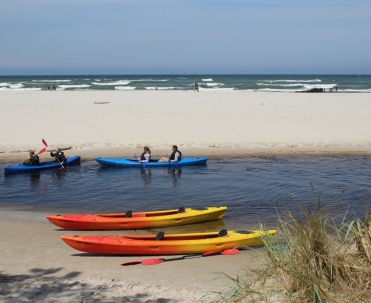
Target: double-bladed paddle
x: 46, y: 144
x: 154, y: 261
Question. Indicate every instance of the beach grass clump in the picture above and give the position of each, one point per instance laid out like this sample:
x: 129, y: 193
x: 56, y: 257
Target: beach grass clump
x: 321, y: 261
x: 313, y: 259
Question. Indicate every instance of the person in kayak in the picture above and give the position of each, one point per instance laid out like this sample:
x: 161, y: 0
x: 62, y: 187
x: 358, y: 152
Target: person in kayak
x: 146, y: 155
x: 59, y: 156
x: 176, y: 156
x: 33, y: 160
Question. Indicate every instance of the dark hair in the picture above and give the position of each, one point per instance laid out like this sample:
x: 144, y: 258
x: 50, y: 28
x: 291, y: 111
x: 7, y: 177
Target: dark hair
x: 176, y: 147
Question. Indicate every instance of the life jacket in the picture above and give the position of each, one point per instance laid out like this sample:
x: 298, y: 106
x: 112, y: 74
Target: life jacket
x: 34, y: 160
x: 143, y: 158
x: 172, y: 156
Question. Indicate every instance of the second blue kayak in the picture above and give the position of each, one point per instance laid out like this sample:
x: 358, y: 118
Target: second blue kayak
x: 124, y: 162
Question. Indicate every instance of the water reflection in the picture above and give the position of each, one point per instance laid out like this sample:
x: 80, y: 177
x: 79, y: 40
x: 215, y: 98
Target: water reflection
x: 146, y: 175
x: 176, y: 174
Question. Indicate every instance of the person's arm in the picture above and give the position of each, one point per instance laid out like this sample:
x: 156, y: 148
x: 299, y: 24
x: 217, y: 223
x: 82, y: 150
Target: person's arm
x: 147, y: 156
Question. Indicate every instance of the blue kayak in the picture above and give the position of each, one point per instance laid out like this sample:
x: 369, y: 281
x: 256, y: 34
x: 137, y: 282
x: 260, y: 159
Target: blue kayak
x: 43, y: 165
x: 122, y: 162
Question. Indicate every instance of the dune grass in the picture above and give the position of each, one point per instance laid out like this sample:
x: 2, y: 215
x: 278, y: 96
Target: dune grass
x: 312, y: 259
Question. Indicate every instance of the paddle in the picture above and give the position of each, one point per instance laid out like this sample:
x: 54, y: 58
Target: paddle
x: 46, y: 144
x: 154, y: 261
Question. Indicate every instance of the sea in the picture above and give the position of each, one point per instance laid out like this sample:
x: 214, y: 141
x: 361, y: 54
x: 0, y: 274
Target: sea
x: 258, y: 191
x: 256, y: 83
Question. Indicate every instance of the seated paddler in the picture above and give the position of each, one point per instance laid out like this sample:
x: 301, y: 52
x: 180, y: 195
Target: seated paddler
x: 33, y: 159
x: 175, y: 156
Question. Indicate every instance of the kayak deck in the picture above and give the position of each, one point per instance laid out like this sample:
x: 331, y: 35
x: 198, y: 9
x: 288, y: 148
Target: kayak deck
x: 167, y: 244
x: 125, y: 162
x: 137, y: 220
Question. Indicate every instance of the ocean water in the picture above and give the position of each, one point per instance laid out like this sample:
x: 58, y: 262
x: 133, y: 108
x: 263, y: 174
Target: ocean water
x: 256, y: 190
x: 263, y: 83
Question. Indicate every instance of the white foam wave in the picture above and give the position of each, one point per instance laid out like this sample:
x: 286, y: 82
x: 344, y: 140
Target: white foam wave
x: 73, y: 86
x: 214, y: 84
x: 281, y: 85
x: 51, y: 81
x: 21, y: 89
x: 217, y: 89
x: 4, y: 84
x: 292, y: 80
x: 208, y: 80
x: 16, y: 86
x: 150, y: 80
x: 125, y: 87
x: 120, y: 82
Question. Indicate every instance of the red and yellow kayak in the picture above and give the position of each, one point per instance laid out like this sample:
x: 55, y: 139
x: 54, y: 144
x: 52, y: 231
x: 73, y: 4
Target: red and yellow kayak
x: 169, y: 244
x: 137, y: 220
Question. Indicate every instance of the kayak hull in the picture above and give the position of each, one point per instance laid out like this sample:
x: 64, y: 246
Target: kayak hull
x: 21, y: 168
x: 171, y: 244
x: 124, y: 162
x: 138, y: 220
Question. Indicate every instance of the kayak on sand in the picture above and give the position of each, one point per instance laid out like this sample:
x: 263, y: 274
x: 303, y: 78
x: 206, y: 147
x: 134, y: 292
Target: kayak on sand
x: 125, y: 162
x: 137, y: 220
x: 43, y: 165
x: 167, y: 244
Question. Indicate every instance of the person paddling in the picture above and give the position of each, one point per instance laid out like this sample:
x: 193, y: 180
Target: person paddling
x: 33, y: 160
x: 59, y: 156
x: 176, y: 156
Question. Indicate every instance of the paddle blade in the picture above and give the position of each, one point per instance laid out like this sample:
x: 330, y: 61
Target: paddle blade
x: 232, y: 251
x: 43, y: 141
x: 152, y: 261
x: 41, y: 151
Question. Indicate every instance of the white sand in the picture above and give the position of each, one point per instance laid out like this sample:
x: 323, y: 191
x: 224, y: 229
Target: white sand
x: 116, y: 123
x: 42, y: 268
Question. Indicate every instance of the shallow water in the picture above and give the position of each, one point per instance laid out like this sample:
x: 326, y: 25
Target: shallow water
x: 255, y: 190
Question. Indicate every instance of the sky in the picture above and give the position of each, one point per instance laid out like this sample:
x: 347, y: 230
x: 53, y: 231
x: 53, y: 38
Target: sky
x: 185, y: 37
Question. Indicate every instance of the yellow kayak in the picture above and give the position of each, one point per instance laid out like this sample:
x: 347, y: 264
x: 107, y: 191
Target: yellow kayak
x: 137, y: 220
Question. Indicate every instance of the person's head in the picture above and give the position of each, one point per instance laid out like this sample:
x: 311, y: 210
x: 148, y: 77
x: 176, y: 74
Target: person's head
x: 175, y: 147
x: 32, y: 152
x: 146, y: 149
x: 58, y: 150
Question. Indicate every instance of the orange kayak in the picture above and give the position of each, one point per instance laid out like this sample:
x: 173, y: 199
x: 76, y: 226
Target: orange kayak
x: 169, y: 244
x: 137, y: 220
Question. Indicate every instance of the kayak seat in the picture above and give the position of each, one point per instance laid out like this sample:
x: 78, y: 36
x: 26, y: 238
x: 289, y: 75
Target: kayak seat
x: 160, y: 235
x: 222, y: 233
x: 128, y: 214
x: 181, y: 210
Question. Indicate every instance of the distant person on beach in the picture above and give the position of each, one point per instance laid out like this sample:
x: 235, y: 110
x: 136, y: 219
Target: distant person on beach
x: 146, y: 155
x: 59, y: 156
x: 196, y: 86
x: 174, y: 157
x: 33, y: 160
x: 54, y: 88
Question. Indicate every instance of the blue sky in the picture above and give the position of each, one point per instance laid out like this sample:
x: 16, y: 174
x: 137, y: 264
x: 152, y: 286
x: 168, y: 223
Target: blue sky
x: 185, y: 37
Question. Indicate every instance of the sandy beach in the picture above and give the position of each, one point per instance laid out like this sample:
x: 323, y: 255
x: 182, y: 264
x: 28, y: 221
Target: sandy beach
x: 212, y: 124
x: 39, y: 267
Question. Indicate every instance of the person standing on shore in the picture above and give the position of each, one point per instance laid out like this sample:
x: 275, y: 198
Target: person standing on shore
x: 196, y: 86
x: 174, y: 157
x: 33, y: 160
x: 59, y: 156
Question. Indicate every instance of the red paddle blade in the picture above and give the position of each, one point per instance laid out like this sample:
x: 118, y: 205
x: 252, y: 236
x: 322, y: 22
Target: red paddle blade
x: 43, y: 141
x: 232, y: 251
x: 41, y: 151
x: 152, y: 261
